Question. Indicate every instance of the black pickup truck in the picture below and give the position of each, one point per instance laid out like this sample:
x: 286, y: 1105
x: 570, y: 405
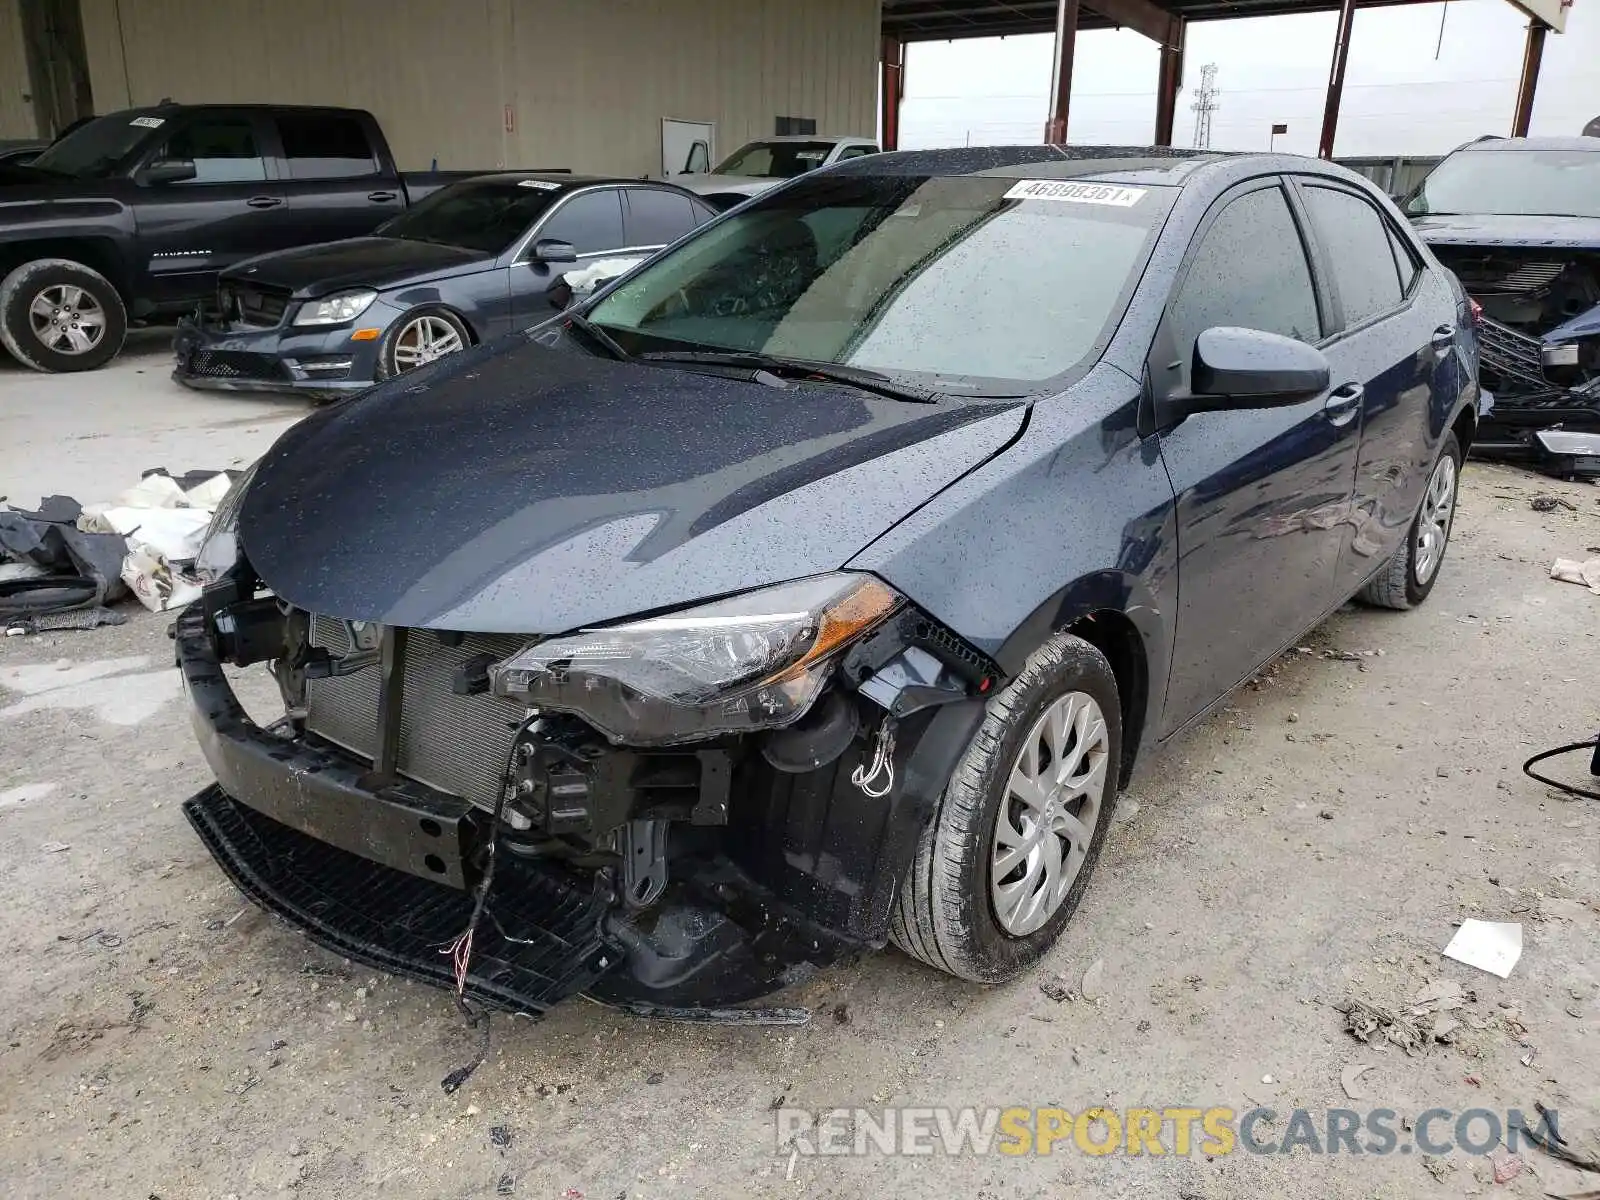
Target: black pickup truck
x: 132, y: 215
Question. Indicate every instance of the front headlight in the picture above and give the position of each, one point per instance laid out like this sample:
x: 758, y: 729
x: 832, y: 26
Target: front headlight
x: 755, y: 661
x: 219, y: 549
x: 336, y: 309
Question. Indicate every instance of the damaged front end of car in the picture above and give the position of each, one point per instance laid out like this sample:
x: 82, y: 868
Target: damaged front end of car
x: 1539, y: 340
x: 669, y: 814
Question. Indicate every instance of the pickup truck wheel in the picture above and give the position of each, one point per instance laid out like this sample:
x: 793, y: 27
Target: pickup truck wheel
x: 1409, y: 576
x: 420, y: 337
x: 58, y: 315
x: 1008, y: 852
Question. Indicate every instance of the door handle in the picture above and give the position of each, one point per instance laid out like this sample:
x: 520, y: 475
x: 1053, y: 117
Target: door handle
x: 264, y: 201
x: 382, y: 197
x: 1343, y: 403
x: 1443, y: 338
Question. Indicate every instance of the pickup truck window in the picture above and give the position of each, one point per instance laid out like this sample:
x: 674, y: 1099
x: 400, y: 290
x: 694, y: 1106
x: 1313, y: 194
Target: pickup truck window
x: 223, y: 150
x: 325, y: 147
x: 96, y: 148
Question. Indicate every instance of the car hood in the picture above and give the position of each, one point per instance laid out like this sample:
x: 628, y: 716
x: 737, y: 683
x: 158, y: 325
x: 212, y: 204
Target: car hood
x: 527, y: 488
x: 375, y: 262
x: 1560, y: 233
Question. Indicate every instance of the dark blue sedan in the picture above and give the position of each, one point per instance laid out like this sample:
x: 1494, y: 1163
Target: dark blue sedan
x: 821, y: 582
x: 472, y: 261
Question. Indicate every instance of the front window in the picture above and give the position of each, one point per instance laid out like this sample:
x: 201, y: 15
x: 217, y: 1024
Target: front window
x: 486, y: 215
x: 945, y: 281
x: 775, y: 160
x: 1516, y: 183
x: 95, y: 149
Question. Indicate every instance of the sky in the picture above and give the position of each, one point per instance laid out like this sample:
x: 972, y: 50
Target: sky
x: 1399, y: 97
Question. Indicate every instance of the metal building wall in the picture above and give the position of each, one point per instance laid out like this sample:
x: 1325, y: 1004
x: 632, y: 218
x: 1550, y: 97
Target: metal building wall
x: 478, y: 83
x: 16, y: 112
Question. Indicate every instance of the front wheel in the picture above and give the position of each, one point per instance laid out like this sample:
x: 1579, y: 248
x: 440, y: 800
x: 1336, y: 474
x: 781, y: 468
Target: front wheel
x: 1410, y: 575
x: 420, y: 337
x: 1008, y: 853
x: 59, y: 315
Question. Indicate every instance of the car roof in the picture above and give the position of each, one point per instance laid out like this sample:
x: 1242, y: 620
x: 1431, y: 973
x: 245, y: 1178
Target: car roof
x: 1512, y: 145
x: 1153, y: 165
x: 813, y: 137
x: 569, y: 183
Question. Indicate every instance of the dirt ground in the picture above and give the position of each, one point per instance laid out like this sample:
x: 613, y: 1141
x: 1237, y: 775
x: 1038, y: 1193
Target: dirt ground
x: 1317, y: 840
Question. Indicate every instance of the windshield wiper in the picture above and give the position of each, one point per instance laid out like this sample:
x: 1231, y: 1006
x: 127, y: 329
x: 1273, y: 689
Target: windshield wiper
x: 875, y: 382
x: 597, y: 335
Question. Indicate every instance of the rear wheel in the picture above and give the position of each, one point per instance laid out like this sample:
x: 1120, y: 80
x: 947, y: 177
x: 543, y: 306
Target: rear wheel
x: 419, y: 338
x: 58, y: 315
x: 1008, y: 853
x: 1410, y: 575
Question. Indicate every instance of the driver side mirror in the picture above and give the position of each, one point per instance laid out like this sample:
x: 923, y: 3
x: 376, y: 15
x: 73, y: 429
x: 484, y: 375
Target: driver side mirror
x: 548, y: 250
x: 1250, y: 368
x: 166, y: 171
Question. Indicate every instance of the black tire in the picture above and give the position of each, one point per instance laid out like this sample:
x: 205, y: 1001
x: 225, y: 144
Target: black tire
x: 22, y: 286
x: 388, y: 368
x: 1397, y: 585
x: 945, y: 915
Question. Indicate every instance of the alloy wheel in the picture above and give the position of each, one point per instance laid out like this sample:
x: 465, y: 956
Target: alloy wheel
x: 67, y: 319
x: 424, y: 339
x: 1433, y: 522
x: 1049, y: 814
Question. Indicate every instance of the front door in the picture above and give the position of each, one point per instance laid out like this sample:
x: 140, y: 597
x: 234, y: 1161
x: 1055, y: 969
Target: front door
x: 1263, y: 495
x: 231, y: 210
x: 686, y: 146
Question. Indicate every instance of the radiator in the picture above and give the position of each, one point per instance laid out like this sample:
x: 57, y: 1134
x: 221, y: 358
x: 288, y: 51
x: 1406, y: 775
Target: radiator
x: 457, y: 744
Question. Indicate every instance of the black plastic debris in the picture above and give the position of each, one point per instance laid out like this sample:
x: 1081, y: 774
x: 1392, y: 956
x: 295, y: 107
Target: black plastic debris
x: 80, y: 570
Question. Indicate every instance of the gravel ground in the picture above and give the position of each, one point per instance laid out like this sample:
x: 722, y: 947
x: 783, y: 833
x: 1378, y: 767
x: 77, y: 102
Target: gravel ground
x: 1317, y: 840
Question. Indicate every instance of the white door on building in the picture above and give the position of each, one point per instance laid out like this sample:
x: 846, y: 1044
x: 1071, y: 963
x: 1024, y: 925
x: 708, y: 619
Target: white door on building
x: 686, y: 146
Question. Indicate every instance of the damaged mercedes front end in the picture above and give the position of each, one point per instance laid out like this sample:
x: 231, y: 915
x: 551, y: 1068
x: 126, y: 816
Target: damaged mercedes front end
x: 679, y: 808
x: 1518, y: 221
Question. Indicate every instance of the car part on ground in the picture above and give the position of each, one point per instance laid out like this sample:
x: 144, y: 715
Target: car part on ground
x: 1517, y: 220
x: 803, y: 592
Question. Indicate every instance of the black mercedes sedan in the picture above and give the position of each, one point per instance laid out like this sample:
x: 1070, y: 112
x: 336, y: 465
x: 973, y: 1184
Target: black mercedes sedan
x: 474, y: 260
x: 821, y: 582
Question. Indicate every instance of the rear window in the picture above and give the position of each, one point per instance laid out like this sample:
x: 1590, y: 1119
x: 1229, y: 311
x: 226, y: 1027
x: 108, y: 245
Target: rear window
x: 325, y: 147
x: 979, y: 284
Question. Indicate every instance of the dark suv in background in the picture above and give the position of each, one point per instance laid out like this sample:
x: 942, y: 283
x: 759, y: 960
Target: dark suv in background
x: 133, y: 214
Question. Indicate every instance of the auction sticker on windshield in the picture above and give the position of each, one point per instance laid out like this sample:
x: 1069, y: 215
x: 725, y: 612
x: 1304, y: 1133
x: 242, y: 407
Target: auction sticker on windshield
x: 544, y: 185
x: 148, y: 122
x: 1076, y: 193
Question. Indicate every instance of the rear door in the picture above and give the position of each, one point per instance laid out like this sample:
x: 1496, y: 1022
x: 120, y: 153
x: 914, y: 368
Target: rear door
x: 333, y: 176
x: 1394, y: 342
x: 1262, y: 494
x: 232, y: 209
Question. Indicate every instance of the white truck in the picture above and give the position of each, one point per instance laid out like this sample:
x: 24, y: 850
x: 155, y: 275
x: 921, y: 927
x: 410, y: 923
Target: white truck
x: 757, y: 166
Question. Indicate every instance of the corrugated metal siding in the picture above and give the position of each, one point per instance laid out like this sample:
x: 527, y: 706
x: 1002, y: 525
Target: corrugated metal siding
x: 586, y: 81
x: 16, y: 112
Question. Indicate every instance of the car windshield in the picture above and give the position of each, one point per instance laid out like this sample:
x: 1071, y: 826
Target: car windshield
x: 1516, y: 183
x: 775, y: 160
x: 98, y: 147
x: 977, y: 285
x: 487, y: 215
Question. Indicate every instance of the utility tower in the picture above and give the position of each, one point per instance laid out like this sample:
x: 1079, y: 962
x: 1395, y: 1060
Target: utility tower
x: 1205, y: 103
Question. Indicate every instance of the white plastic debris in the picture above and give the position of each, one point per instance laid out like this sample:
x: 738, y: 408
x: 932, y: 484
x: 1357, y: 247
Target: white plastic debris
x: 1492, y: 946
x: 151, y: 577
x: 1570, y: 570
